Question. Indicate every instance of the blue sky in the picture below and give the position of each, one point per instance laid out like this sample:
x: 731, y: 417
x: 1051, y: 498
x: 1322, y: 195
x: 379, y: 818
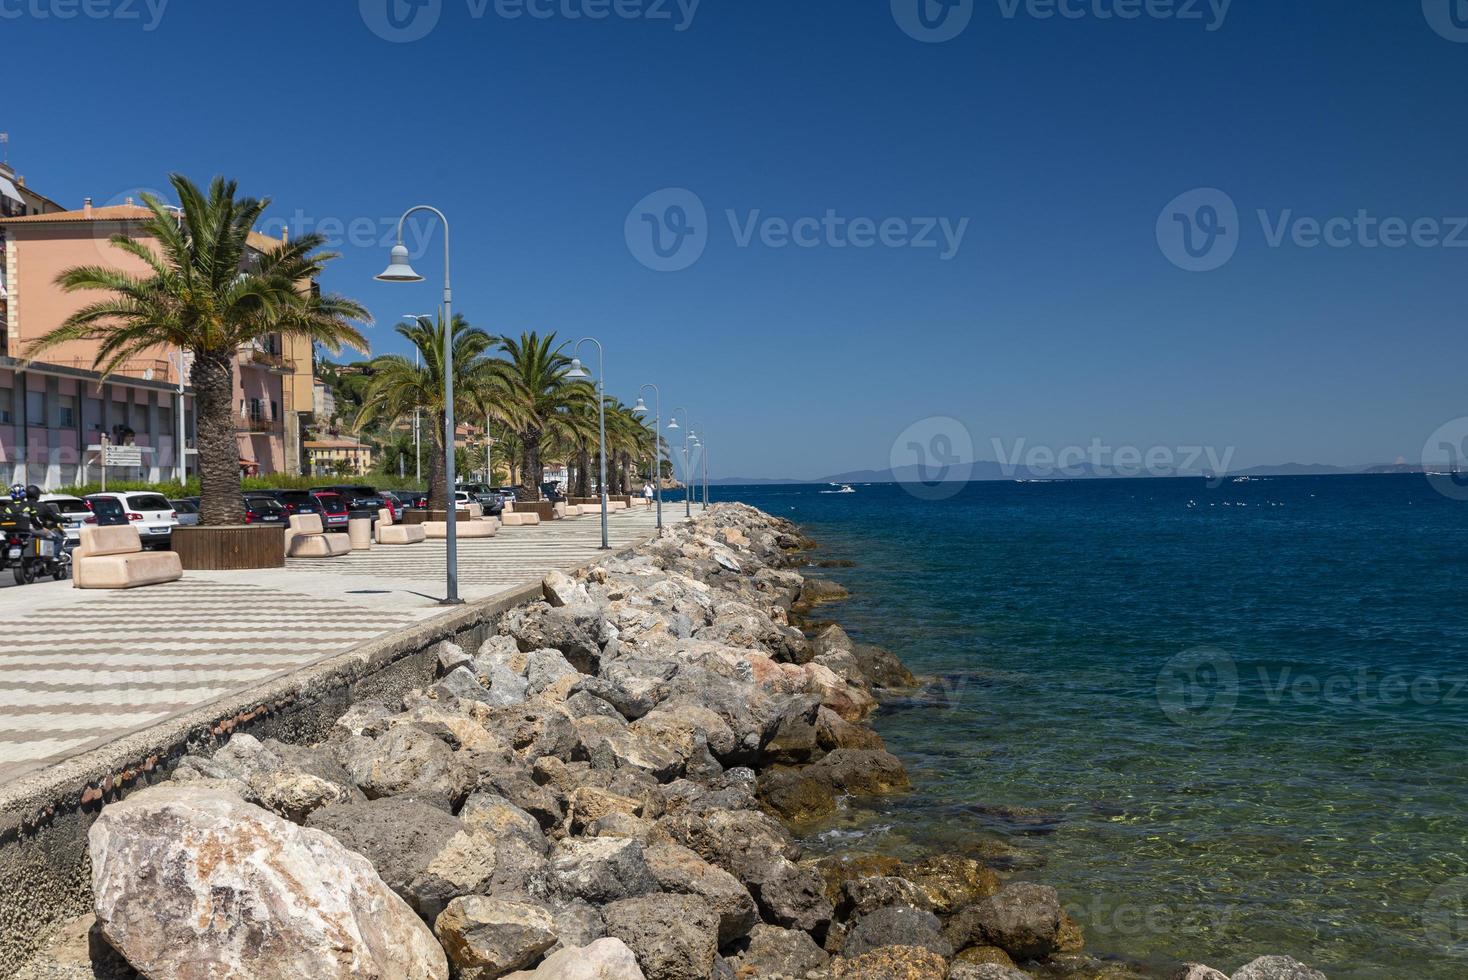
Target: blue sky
x: 1053, y: 143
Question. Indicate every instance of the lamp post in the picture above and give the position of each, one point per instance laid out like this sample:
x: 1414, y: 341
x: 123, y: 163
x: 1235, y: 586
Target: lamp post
x: 687, y: 433
x: 399, y: 270
x: 657, y: 444
x: 417, y: 438
x: 579, y: 373
x: 180, y: 440
x: 703, y: 459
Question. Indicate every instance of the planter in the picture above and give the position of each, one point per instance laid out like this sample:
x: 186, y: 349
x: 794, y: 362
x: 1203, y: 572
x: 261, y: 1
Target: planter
x: 547, y: 511
x: 238, y: 546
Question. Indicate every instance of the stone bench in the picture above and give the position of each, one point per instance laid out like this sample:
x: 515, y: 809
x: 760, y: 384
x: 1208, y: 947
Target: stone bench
x: 113, y: 558
x: 306, y: 538
x: 390, y: 533
x: 439, y: 530
x: 517, y: 519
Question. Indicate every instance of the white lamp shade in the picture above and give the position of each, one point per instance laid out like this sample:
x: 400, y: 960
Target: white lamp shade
x: 577, y: 372
x: 398, y: 269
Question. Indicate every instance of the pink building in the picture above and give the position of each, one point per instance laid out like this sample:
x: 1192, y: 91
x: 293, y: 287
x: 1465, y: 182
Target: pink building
x: 53, y: 411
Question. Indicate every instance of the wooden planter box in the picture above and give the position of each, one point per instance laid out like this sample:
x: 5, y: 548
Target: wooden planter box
x: 238, y: 546
x: 424, y: 516
x: 546, y: 510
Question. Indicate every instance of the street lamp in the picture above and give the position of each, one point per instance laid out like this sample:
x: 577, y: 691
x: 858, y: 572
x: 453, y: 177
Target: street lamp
x: 417, y: 438
x: 687, y: 434
x: 399, y: 270
x: 657, y: 438
x: 579, y: 373
x: 703, y: 458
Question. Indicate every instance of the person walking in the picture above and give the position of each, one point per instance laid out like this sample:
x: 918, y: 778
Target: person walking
x: 647, y: 493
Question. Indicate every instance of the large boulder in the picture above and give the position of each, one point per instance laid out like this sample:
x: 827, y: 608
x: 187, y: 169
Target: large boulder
x: 500, y: 818
x: 605, y: 959
x: 774, y: 952
x: 861, y: 896
x: 562, y: 590
x: 896, y: 925
x: 677, y: 869
x: 601, y: 869
x: 1023, y: 919
x: 485, y: 938
x: 408, y: 761
x: 675, y: 937
x: 986, y: 971
x: 183, y: 877
x: 1197, y: 971
x: 882, y: 668
x: 1277, y: 968
x: 424, y: 854
x: 951, y: 882
x: 892, y: 963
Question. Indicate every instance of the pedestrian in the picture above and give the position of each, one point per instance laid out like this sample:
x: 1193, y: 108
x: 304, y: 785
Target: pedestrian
x: 647, y: 493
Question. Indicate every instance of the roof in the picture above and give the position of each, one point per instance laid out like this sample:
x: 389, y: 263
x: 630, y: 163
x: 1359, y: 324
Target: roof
x: 337, y: 444
x: 120, y: 212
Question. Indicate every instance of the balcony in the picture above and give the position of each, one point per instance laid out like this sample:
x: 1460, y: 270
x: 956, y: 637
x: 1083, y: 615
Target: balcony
x: 261, y: 358
x: 258, y: 425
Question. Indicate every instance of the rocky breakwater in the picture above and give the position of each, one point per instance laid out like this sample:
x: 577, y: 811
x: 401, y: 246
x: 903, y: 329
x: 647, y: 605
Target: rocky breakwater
x: 604, y: 789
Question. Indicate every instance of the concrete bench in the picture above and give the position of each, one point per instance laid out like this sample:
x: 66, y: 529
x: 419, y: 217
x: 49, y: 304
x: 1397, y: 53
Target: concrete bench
x: 306, y: 538
x: 390, y: 533
x: 113, y: 558
x: 439, y: 530
x: 521, y: 520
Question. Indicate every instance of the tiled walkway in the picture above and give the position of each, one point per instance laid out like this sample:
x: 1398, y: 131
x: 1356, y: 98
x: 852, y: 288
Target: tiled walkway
x: 78, y: 669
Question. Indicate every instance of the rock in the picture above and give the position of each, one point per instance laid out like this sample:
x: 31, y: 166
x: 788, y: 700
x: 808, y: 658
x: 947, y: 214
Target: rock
x: 76, y: 951
x: 605, y: 959
x: 987, y: 955
x: 951, y: 882
x: 834, y: 732
x: 778, y: 953
x: 795, y: 739
x: 675, y: 937
x: 1023, y: 919
x: 677, y: 869
x: 626, y: 749
x: 1277, y: 968
x: 896, y: 925
x: 584, y: 704
x: 409, y: 761
x: 460, y: 683
x: 985, y: 971
x: 506, y: 774
x: 865, y: 895
x: 892, y: 963
x: 451, y: 657
x: 796, y: 797
x: 500, y: 818
x: 562, y: 590
x: 817, y: 591
x: 545, y: 667
x: 578, y: 923
x: 589, y: 804
x: 538, y: 728
x: 601, y: 870
x: 882, y: 668
x: 860, y: 772
x: 485, y: 938
x: 688, y: 729
x: 183, y: 877
x: 424, y: 854
x: 1197, y: 971
x: 837, y: 869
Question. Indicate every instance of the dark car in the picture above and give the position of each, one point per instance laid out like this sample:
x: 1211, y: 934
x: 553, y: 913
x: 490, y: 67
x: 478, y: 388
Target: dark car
x: 487, y: 497
x: 508, y: 494
x: 297, y: 502
x: 396, y: 502
x: 551, y: 492
x: 263, y: 508
x: 362, y: 499
x: 187, y: 511
x: 108, y: 511
x: 334, y: 513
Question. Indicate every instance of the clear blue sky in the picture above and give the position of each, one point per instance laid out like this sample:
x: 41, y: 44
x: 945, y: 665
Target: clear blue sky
x: 1059, y: 140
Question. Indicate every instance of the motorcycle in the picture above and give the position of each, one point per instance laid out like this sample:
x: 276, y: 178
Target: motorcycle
x: 32, y: 557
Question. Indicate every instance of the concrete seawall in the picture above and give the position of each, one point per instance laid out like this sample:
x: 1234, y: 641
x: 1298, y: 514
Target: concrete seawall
x: 45, y: 872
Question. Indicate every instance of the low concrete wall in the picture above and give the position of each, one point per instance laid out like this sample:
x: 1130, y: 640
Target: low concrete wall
x: 45, y: 871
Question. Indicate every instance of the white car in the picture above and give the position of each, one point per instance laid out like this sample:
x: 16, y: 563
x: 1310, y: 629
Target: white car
x: 73, y: 511
x: 150, y: 513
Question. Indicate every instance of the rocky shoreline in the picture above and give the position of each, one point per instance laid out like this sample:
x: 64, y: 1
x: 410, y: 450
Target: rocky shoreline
x: 604, y: 790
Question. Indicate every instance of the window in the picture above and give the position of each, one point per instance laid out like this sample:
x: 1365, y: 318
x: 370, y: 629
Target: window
x: 7, y: 399
x: 66, y: 412
x: 165, y: 421
x: 119, y: 413
x: 35, y: 408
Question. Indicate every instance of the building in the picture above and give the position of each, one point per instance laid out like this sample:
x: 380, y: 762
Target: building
x: 335, y: 455
x: 54, y: 412
x: 323, y: 402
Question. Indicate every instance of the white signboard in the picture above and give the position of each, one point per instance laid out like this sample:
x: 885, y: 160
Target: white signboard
x: 123, y: 456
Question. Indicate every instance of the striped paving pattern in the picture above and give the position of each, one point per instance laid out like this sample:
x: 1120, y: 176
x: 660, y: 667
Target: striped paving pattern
x: 75, y: 677
x: 82, y: 669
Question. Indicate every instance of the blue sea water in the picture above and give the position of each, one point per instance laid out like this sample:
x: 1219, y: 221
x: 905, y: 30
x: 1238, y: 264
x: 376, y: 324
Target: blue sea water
x: 1222, y: 721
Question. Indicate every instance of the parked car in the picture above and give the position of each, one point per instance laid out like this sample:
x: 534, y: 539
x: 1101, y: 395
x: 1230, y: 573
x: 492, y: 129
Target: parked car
x: 551, y: 492
x: 486, y: 497
x: 263, y: 508
x: 150, y: 513
x: 73, y: 511
x: 297, y: 502
x: 334, y: 512
x: 188, y: 512
x: 395, y: 503
x: 108, y: 512
x: 358, y: 497
x: 508, y: 494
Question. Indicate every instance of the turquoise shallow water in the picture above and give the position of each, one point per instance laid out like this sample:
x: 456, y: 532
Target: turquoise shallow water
x: 1223, y: 722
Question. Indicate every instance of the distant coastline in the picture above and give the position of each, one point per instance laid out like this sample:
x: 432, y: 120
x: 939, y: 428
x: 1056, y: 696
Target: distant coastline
x: 988, y: 471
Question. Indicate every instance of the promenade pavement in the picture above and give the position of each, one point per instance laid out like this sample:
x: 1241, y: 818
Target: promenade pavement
x: 81, y: 668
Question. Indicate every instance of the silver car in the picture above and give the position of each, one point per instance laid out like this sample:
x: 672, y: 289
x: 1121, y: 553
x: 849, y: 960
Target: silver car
x: 188, y: 513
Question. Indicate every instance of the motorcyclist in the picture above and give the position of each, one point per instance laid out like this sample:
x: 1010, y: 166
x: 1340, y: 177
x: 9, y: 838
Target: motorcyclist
x: 45, y: 522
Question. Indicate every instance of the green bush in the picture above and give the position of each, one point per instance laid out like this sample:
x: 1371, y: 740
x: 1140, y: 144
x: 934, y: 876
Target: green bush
x: 172, y: 489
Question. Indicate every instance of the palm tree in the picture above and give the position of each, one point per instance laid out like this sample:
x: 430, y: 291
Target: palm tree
x: 398, y: 387
x: 537, y: 400
x: 207, y: 291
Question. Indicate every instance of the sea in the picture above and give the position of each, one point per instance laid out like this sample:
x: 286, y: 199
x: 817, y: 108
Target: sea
x: 1222, y: 718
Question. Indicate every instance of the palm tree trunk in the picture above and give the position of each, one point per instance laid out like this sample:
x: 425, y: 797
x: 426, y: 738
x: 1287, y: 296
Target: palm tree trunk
x: 530, y: 468
x: 438, y: 496
x: 219, y: 452
x: 583, y: 472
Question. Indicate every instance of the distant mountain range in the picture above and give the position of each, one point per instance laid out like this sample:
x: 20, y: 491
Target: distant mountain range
x: 987, y: 470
